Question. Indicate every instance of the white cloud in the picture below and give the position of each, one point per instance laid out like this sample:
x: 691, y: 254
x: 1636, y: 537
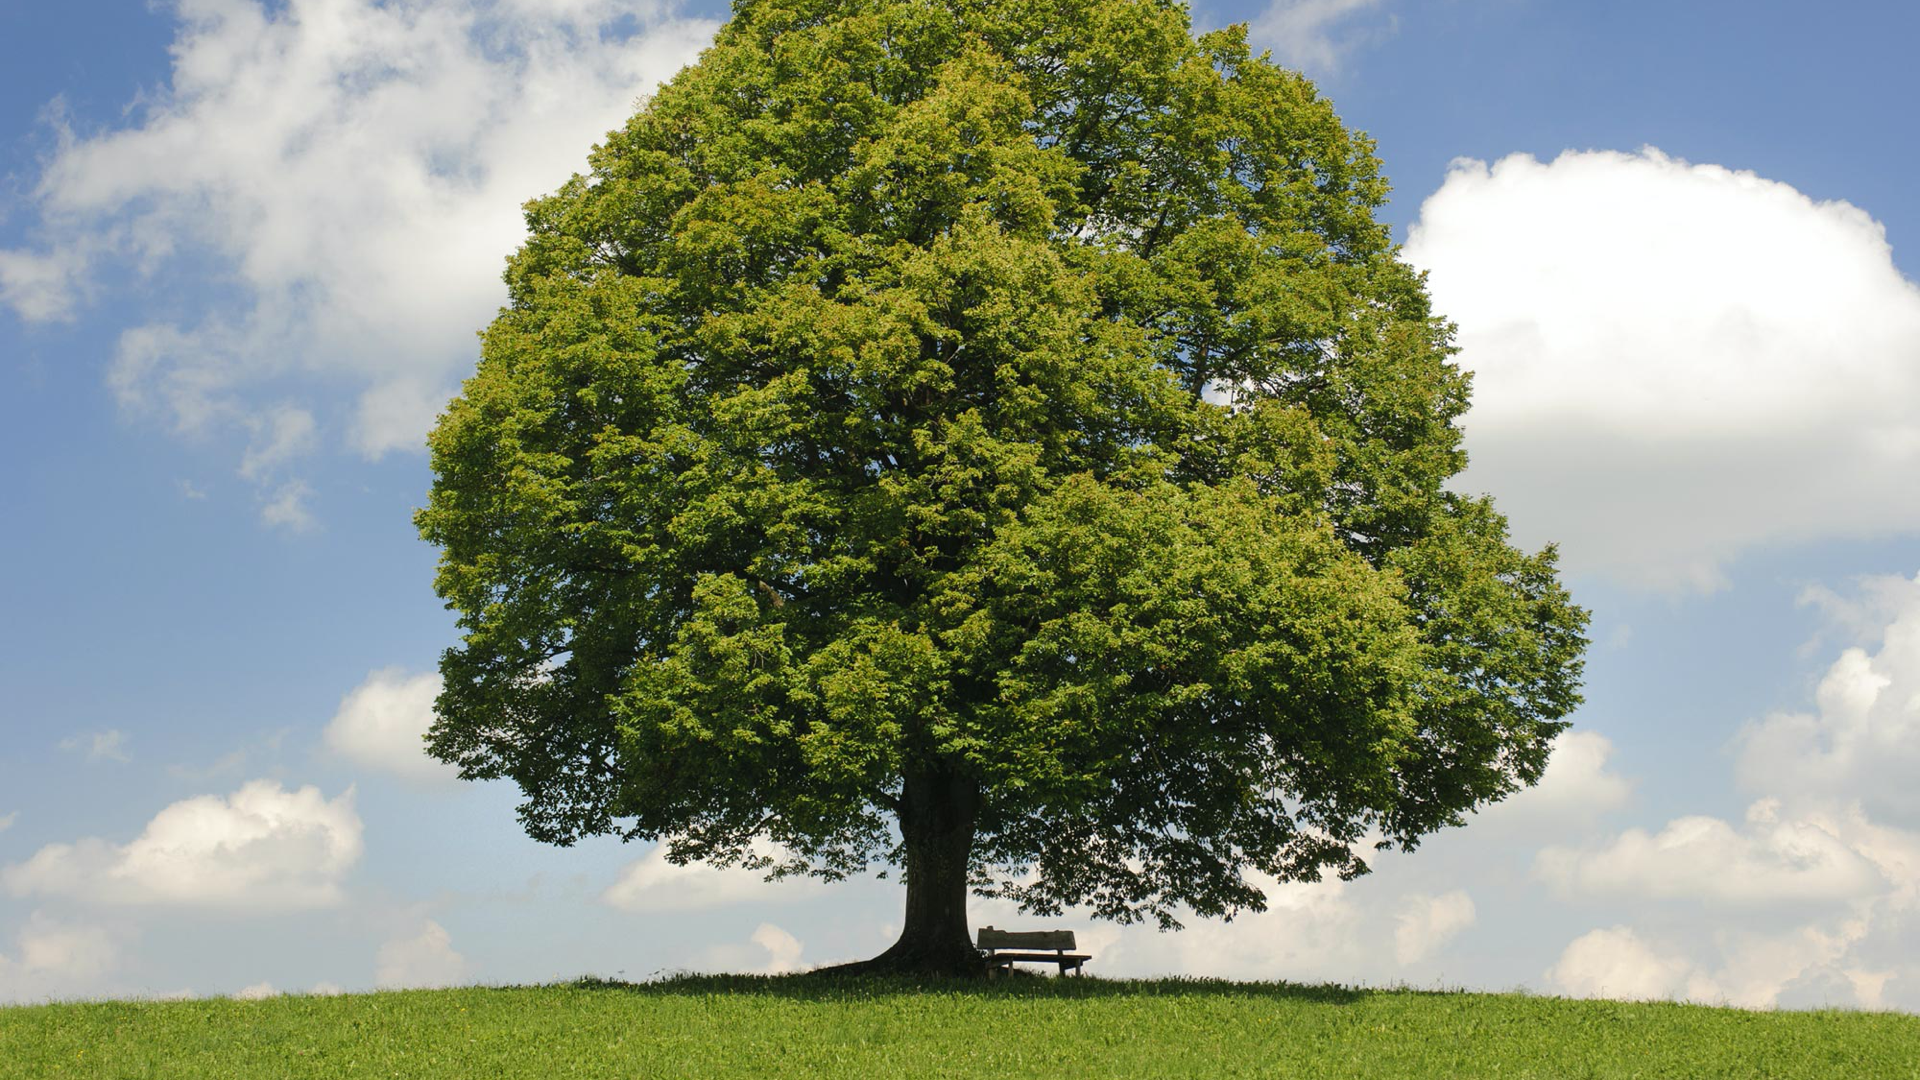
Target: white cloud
x: 1427, y: 923
x: 1306, y: 34
x: 1577, y: 783
x: 381, y: 723
x: 260, y: 848
x: 49, y: 945
x: 286, y: 508
x: 353, y: 170
x: 1321, y: 930
x: 1862, y: 612
x: 56, y: 957
x: 1862, y: 880
x: 1675, y: 363
x: 769, y: 950
x: 425, y: 960
x: 39, y: 286
x: 653, y: 884
x: 1615, y: 963
x: 259, y: 991
x: 783, y: 949
x: 7, y: 820
x: 188, y: 378
x: 324, y: 988
x: 1862, y: 741
x: 1310, y: 931
x: 1869, y: 987
x: 1755, y: 970
x: 1759, y: 968
x: 99, y: 745
x: 1775, y: 861
x: 1813, y: 899
x: 279, y: 435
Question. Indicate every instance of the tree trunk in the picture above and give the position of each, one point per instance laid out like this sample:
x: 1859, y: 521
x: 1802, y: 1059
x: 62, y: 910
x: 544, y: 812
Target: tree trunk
x: 936, y: 829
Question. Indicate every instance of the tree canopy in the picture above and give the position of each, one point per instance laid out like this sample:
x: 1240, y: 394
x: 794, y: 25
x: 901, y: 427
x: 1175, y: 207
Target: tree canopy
x: 994, y: 438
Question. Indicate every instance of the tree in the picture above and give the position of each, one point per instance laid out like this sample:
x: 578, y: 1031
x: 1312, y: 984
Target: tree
x: 992, y: 438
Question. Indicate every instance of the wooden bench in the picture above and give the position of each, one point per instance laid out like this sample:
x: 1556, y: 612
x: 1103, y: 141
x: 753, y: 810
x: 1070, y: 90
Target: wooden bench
x: 1005, y: 948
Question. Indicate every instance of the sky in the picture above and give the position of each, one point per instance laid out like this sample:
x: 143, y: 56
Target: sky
x: 244, y: 251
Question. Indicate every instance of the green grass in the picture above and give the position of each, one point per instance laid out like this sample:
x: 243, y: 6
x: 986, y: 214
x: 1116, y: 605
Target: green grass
x: 801, y: 1026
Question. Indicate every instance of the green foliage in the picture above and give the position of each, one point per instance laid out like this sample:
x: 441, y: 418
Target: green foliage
x: 1018, y: 392
x: 712, y: 1029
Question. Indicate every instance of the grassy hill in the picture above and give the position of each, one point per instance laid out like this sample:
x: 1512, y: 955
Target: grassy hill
x: 799, y: 1026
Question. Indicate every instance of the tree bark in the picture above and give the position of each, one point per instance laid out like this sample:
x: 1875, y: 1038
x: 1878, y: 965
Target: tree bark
x: 937, y: 813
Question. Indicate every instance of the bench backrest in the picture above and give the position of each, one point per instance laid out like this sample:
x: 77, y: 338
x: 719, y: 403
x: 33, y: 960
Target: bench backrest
x: 1025, y: 939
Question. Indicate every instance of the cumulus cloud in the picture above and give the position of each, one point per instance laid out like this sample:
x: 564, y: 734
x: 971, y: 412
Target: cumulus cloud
x: 425, y: 960
x: 1861, y: 741
x: 1775, y: 860
x: 1812, y: 900
x: 1810, y: 965
x: 653, y: 884
x: 261, y: 848
x: 783, y: 949
x: 1427, y: 923
x: 1854, y: 883
x: 7, y: 820
x: 1578, y: 783
x: 1821, y: 961
x: 46, y: 945
x: 1310, y: 930
x: 56, y: 957
x: 259, y: 991
x: 1314, y: 35
x: 769, y: 950
x: 352, y: 171
x: 1615, y: 963
x: 381, y: 724
x: 1861, y: 611
x: 1675, y: 363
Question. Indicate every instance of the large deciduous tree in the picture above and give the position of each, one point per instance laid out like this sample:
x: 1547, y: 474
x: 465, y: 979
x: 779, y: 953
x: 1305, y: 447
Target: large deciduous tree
x: 993, y: 438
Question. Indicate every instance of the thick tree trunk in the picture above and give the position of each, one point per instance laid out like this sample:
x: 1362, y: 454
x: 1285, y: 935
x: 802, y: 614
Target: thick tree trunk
x: 936, y: 828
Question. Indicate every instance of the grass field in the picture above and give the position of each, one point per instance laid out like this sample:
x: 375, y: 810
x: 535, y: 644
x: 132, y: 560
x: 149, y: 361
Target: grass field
x: 798, y: 1026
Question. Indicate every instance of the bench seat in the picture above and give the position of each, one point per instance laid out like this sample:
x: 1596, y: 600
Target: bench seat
x: 1065, y: 960
x: 1001, y: 949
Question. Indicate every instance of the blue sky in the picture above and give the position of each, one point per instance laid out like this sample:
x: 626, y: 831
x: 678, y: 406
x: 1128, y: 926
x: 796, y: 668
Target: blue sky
x: 243, y: 252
